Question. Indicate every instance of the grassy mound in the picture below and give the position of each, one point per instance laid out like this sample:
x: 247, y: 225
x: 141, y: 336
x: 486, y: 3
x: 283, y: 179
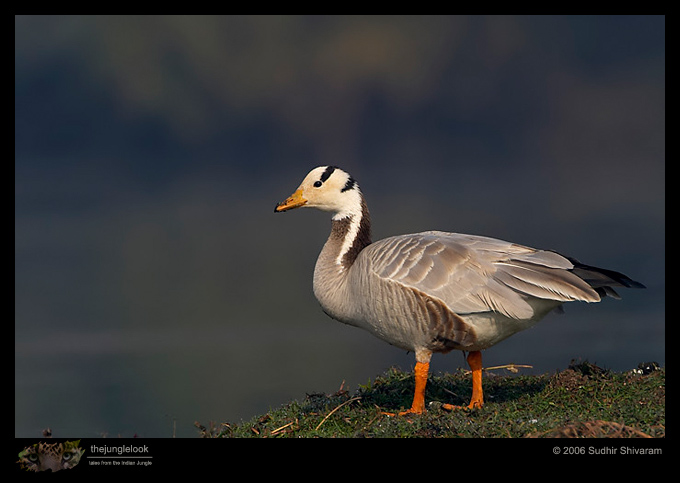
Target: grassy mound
x: 582, y: 401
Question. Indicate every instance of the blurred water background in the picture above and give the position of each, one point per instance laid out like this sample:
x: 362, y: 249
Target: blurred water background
x: 154, y: 285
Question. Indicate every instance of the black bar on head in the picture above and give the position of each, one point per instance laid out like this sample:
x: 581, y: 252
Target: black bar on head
x: 326, y: 174
x: 349, y: 185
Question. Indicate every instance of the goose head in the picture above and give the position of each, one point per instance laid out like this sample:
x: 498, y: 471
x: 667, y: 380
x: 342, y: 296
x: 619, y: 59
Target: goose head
x: 326, y: 188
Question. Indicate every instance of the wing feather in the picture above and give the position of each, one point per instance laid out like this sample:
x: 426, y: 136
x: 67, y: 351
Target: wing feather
x: 474, y: 274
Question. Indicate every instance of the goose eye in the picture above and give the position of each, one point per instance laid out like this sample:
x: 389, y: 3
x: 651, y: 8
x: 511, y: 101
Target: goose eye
x: 317, y: 184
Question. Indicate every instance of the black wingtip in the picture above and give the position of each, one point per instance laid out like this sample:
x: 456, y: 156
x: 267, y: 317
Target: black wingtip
x: 602, y: 279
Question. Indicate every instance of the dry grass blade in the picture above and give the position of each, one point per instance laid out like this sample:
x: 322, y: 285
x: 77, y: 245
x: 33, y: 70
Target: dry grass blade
x: 514, y: 368
x: 329, y: 414
x: 282, y: 428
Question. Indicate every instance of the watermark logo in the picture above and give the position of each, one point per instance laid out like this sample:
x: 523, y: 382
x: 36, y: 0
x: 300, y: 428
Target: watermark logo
x: 119, y: 455
x: 43, y: 456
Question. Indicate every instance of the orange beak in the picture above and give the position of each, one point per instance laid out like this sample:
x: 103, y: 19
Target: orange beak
x: 295, y: 200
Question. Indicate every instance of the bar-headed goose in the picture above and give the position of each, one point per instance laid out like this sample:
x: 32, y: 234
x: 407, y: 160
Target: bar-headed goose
x: 435, y: 291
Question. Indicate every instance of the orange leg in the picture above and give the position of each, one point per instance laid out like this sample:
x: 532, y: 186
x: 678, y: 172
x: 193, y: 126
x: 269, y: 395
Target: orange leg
x: 418, y: 406
x: 421, y: 370
x: 474, y: 360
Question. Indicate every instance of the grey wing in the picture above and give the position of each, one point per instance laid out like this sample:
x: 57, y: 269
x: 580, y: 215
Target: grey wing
x: 473, y: 274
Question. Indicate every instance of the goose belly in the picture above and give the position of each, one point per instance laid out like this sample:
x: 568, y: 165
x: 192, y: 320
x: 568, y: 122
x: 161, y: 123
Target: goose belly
x: 491, y: 328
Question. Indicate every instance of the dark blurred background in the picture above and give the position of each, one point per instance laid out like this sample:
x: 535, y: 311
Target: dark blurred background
x: 154, y: 286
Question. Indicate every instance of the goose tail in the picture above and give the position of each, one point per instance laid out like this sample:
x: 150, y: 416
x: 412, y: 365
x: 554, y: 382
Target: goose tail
x: 602, y: 280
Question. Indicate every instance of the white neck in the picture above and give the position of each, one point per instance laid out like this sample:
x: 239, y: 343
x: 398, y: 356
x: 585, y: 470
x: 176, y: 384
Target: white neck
x: 349, y: 235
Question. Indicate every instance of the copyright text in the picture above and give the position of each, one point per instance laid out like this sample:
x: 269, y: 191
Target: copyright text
x: 627, y: 450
